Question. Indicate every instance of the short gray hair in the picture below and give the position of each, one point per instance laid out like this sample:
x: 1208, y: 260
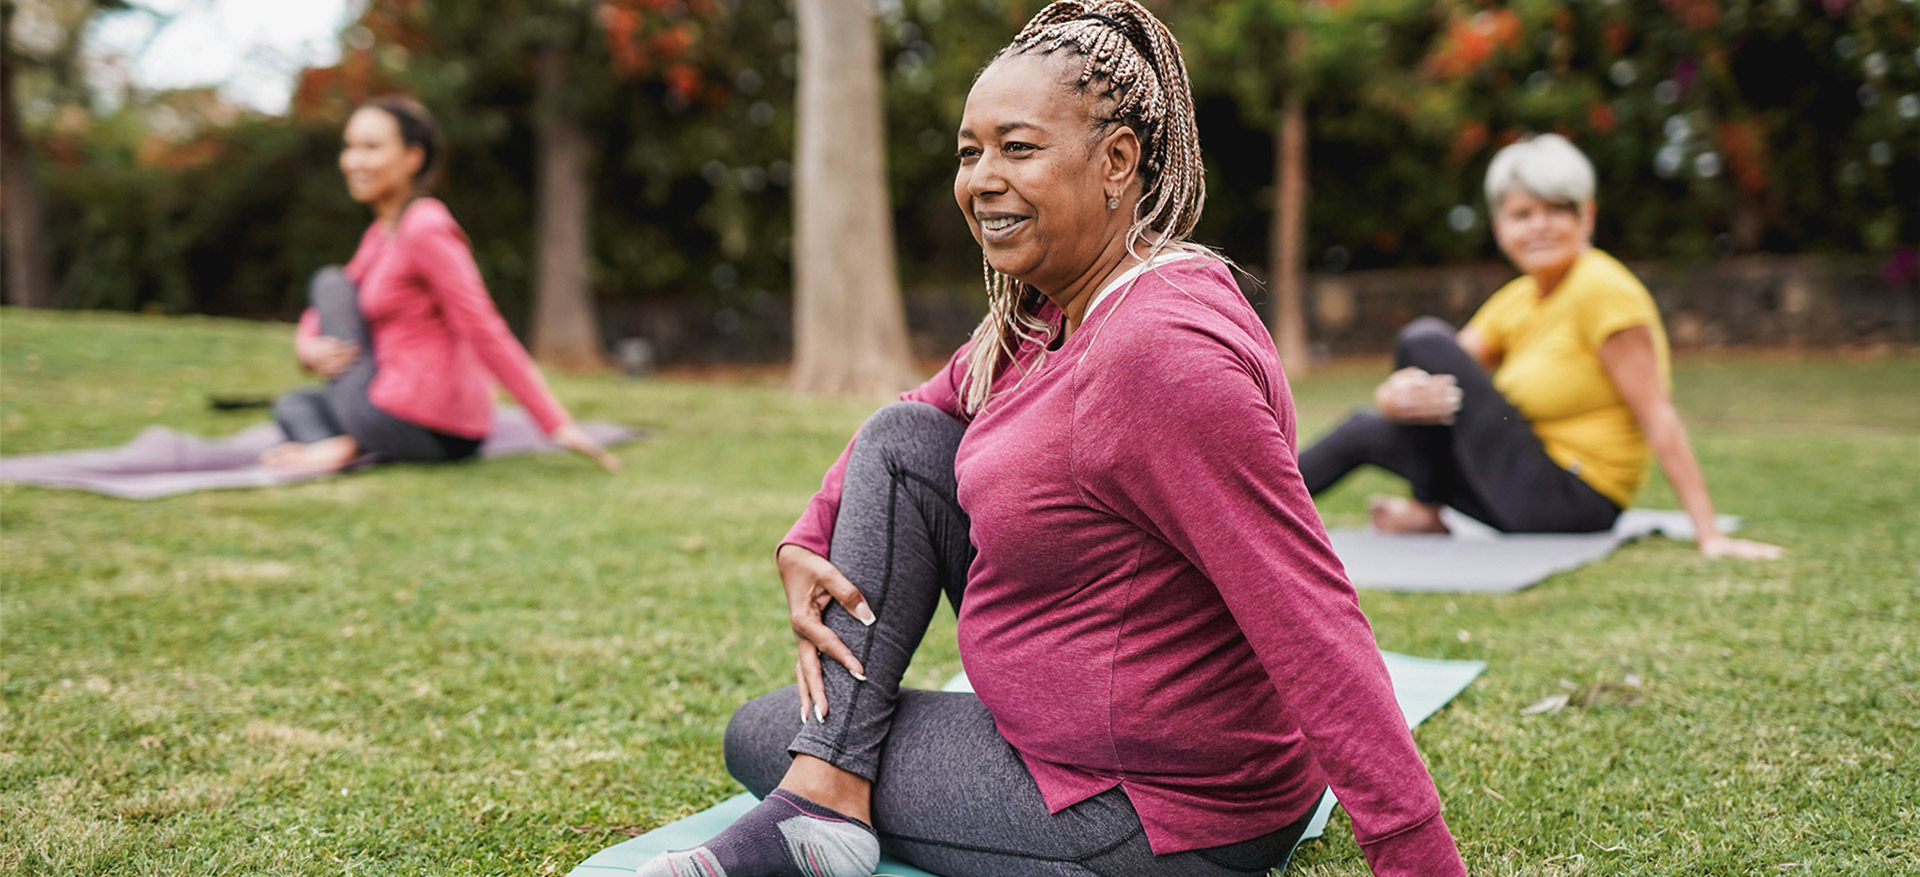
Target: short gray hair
x: 1548, y: 167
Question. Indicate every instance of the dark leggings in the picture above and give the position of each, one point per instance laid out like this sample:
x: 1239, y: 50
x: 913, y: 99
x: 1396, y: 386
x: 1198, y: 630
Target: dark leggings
x: 949, y: 793
x: 342, y: 407
x: 1488, y: 463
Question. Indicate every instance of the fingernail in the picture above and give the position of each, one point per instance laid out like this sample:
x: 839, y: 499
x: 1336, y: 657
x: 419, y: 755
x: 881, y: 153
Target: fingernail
x: 803, y: 714
x: 858, y: 675
x: 865, y: 614
x: 820, y: 712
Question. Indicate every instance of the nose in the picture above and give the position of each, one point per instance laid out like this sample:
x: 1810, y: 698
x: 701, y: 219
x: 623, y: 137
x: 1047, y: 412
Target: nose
x: 985, y: 177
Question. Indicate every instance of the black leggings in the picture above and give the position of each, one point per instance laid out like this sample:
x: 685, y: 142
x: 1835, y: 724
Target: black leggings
x: 1488, y: 463
x: 949, y: 793
x: 342, y: 407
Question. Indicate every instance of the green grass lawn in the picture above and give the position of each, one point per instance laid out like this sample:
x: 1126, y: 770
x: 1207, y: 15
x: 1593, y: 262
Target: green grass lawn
x: 504, y: 667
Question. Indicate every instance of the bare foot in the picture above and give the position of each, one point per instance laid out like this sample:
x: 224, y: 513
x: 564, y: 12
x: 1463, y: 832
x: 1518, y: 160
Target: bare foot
x: 1396, y: 514
x: 325, y: 455
x: 281, y: 455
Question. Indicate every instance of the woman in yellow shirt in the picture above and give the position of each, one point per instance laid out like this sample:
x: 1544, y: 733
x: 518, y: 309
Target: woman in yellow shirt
x: 1541, y: 414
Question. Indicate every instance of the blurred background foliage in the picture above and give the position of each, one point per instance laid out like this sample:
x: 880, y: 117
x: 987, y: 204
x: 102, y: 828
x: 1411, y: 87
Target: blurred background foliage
x: 1719, y: 127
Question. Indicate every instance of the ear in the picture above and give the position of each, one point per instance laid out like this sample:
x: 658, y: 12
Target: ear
x: 1119, y: 156
x: 416, y: 159
x: 1587, y: 212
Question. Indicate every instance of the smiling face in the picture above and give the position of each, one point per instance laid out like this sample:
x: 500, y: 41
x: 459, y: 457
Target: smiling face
x: 377, y: 162
x: 1541, y: 238
x: 1034, y: 181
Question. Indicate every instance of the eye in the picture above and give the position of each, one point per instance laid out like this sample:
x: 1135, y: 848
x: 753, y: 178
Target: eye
x: 1015, y: 147
x: 967, y: 153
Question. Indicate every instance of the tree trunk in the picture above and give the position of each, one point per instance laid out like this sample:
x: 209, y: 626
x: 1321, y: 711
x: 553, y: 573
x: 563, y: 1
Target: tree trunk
x: 29, y: 276
x: 1287, y: 272
x: 850, y: 328
x: 566, y: 333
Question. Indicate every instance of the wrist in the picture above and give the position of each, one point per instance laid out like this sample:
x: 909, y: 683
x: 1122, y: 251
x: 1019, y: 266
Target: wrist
x: 793, y: 552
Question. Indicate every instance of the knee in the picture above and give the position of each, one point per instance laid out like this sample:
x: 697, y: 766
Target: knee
x: 1424, y: 329
x: 1420, y: 340
x: 328, y: 281
x: 905, y: 424
x: 757, y: 738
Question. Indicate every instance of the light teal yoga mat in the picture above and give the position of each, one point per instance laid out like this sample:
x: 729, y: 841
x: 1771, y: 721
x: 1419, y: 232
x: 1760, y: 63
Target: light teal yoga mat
x: 1422, y: 685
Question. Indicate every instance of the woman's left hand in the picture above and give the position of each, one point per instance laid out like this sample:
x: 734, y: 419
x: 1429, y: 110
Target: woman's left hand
x: 575, y: 439
x: 1722, y: 545
x: 1413, y: 396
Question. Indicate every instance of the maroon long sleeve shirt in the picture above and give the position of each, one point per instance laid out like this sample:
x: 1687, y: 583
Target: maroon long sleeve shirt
x: 1155, y: 604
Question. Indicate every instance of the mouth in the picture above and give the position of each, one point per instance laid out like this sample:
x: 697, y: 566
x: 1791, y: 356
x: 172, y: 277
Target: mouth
x: 999, y: 227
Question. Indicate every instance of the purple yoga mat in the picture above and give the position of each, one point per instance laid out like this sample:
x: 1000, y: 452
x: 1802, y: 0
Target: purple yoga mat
x: 164, y: 462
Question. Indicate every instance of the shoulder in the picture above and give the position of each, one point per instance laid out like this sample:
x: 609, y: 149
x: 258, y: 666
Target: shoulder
x: 1177, y: 325
x: 1604, y: 296
x: 1599, y: 274
x: 1183, y: 363
x: 1197, y: 293
x: 428, y: 217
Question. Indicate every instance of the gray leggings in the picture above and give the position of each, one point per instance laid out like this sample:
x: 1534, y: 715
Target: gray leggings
x: 949, y: 793
x: 342, y: 407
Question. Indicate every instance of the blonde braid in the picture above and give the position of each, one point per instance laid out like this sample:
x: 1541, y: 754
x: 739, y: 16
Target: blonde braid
x: 1132, y: 61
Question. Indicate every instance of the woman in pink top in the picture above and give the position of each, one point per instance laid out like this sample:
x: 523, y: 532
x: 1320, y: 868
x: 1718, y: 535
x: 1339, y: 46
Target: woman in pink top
x: 406, y: 335
x: 1170, y: 666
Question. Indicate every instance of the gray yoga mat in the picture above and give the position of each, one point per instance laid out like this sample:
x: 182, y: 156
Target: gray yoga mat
x: 1476, y: 558
x: 165, y: 462
x: 1422, y: 685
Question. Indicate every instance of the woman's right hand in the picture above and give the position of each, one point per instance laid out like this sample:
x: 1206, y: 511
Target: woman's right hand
x: 1411, y: 395
x: 575, y: 439
x: 325, y: 355
x: 1718, y: 544
x: 812, y: 583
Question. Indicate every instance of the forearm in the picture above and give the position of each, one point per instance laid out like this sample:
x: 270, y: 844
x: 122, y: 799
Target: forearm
x: 1668, y: 438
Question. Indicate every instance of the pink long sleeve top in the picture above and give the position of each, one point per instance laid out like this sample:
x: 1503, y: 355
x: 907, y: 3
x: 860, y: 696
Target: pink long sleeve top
x: 438, y: 340
x: 1155, y: 604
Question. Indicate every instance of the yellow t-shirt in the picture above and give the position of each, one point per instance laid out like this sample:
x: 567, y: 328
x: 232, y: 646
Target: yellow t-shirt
x: 1550, y: 367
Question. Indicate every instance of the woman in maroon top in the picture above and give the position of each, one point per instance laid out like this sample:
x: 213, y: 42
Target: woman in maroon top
x: 1170, y: 666
x: 406, y: 335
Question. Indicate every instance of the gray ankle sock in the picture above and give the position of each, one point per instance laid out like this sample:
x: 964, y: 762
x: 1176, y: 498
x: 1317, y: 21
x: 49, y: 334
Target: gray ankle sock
x: 784, y: 836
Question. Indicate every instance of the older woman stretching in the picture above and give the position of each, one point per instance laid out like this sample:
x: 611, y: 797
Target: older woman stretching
x: 1557, y: 438
x: 1171, y: 668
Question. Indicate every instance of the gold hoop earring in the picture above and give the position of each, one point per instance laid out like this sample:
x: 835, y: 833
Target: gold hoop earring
x: 1113, y: 203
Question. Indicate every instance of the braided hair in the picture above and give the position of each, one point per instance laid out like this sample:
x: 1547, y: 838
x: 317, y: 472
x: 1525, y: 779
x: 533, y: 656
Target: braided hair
x: 1131, y: 64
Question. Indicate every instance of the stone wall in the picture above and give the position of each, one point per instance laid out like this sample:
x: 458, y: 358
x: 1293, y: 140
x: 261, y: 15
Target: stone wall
x: 1746, y: 301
